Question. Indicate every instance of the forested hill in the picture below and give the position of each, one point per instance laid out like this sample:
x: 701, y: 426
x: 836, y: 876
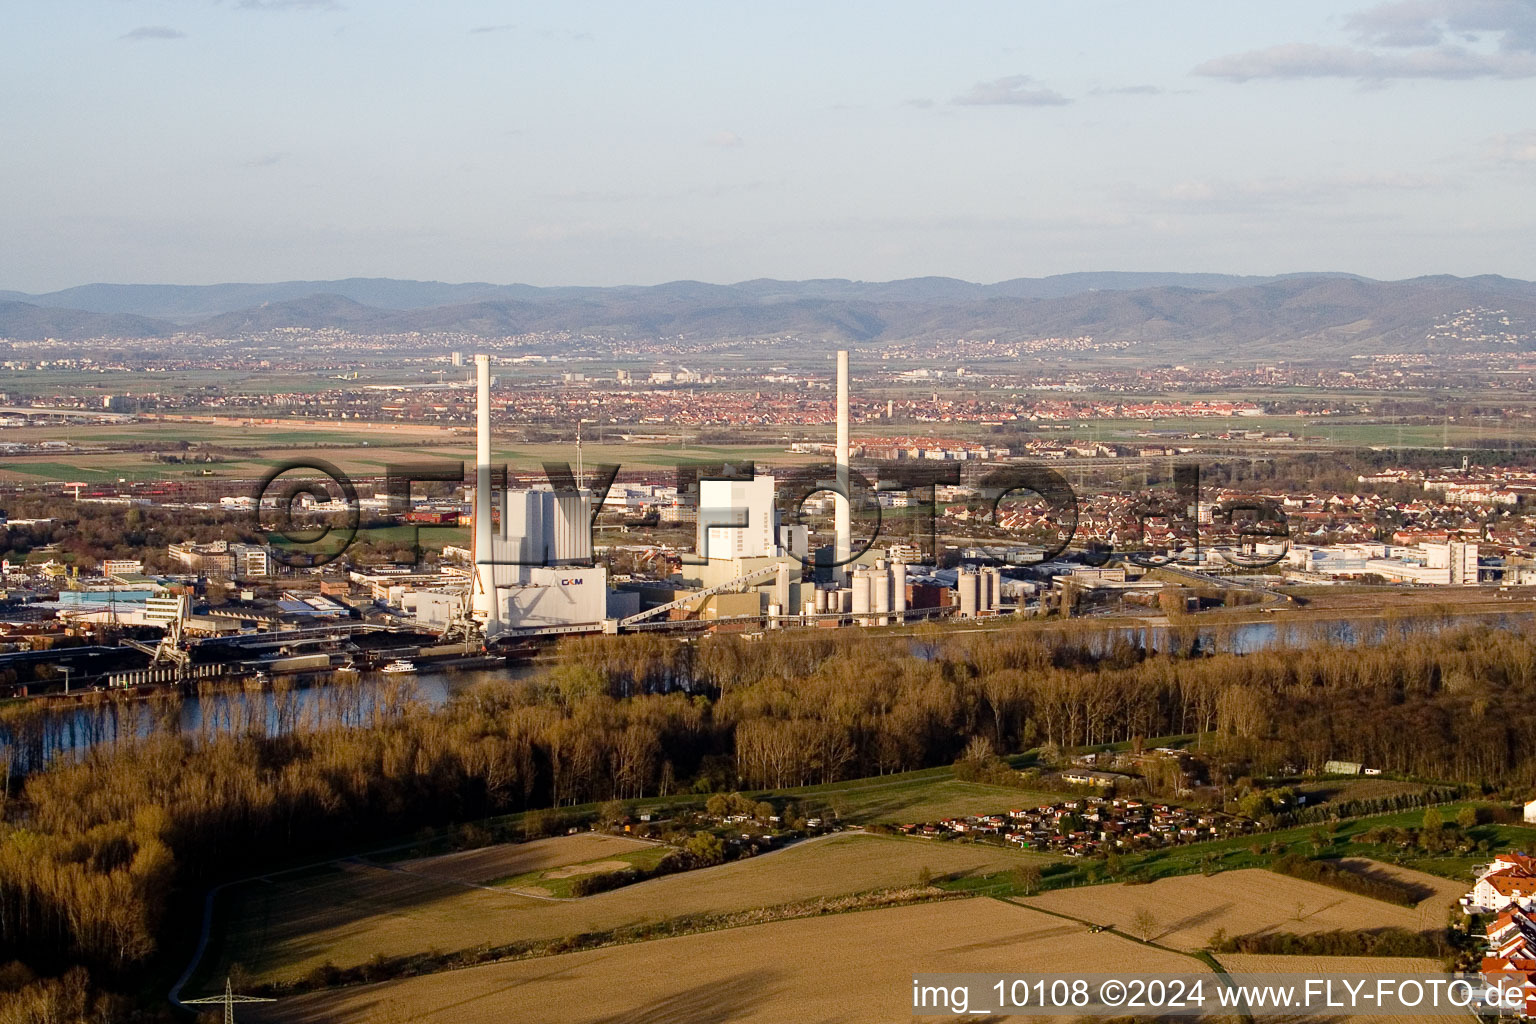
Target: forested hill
x: 1153, y: 315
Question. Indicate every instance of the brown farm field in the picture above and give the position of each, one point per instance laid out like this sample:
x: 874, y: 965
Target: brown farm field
x: 845, y: 968
x: 1435, y: 889
x: 1322, y: 966
x: 281, y: 928
x: 1249, y: 963
x: 489, y: 863
x: 1189, y: 908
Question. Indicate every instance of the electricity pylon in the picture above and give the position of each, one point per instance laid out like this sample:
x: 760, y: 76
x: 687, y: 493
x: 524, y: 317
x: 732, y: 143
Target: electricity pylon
x: 228, y: 1000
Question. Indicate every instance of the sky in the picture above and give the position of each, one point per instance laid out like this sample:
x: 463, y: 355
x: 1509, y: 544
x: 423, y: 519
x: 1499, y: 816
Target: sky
x: 201, y: 141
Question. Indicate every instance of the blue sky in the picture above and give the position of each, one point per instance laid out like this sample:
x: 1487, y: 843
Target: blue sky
x: 195, y: 141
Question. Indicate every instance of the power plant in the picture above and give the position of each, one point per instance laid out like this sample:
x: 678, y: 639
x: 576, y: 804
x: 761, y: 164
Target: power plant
x: 534, y: 573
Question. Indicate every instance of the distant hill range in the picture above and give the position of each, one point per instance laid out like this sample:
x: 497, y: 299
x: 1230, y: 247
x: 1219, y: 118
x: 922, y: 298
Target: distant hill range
x: 1162, y: 315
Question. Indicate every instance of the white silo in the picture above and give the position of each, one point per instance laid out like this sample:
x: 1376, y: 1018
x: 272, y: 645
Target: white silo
x: 968, y: 583
x: 861, y: 591
x: 899, y: 591
x: 880, y: 594
x: 992, y: 581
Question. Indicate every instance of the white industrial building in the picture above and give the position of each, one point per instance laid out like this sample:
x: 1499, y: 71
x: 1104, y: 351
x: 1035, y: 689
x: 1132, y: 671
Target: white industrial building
x: 1453, y: 563
x: 529, y: 571
x: 545, y: 527
x: 737, y: 519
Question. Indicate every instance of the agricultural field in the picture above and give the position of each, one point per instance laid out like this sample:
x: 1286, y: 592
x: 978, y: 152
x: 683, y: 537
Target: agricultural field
x: 1433, y: 887
x: 1187, y: 909
x: 918, y: 797
x: 490, y: 865
x: 765, y: 973
x: 361, y: 450
x: 281, y: 927
x: 1252, y: 963
x: 1323, y: 966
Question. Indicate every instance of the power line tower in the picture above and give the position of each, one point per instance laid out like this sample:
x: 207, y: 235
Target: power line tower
x: 227, y: 1000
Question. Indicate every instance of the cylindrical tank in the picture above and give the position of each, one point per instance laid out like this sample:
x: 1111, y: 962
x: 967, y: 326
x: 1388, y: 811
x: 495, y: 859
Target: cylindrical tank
x: 821, y: 601
x: 861, y: 586
x: 880, y: 591
x: 774, y: 611
x: 994, y: 588
x: 969, y: 585
x: 899, y: 591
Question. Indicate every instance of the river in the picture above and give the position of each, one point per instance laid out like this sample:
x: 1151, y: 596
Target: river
x: 274, y: 711
x: 40, y: 730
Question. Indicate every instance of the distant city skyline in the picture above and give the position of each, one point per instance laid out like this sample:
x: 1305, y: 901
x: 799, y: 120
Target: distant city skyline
x: 197, y: 141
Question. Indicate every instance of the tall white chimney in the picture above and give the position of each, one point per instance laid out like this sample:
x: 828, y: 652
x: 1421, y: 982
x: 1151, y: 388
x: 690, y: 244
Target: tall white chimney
x: 842, y: 512
x: 484, y: 604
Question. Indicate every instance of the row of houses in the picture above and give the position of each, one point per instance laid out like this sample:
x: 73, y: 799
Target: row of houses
x: 1506, y: 888
x: 1082, y: 828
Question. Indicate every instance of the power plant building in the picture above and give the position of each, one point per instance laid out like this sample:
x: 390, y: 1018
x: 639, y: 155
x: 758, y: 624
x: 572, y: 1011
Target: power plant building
x: 532, y: 555
x: 737, y: 519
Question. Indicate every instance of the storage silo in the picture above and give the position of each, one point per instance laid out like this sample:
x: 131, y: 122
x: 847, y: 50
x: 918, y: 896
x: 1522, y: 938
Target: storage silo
x: 861, y: 592
x: 880, y: 594
x: 968, y: 583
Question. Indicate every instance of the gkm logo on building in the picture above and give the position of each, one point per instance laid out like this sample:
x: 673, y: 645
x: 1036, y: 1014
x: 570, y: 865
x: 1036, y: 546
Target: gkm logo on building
x: 316, y: 519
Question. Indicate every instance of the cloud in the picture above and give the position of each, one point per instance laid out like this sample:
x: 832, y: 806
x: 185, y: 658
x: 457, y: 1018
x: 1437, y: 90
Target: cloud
x: 480, y: 30
x: 265, y: 161
x: 1131, y: 90
x: 1307, y: 60
x: 1410, y: 23
x: 1514, y: 148
x: 1433, y: 39
x: 144, y: 32
x: 1013, y: 91
x: 724, y: 140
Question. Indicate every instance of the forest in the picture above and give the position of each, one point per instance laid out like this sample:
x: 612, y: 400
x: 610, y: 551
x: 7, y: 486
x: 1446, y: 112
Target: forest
x: 103, y: 854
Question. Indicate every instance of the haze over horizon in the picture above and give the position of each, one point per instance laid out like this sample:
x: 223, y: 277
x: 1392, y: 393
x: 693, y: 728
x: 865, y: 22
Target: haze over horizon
x: 596, y: 144
x: 724, y: 282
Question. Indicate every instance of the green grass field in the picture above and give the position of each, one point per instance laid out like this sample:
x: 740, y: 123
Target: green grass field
x: 65, y: 472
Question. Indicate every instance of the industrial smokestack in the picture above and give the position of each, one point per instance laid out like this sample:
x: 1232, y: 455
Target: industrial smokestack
x: 842, y: 512
x: 484, y: 603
